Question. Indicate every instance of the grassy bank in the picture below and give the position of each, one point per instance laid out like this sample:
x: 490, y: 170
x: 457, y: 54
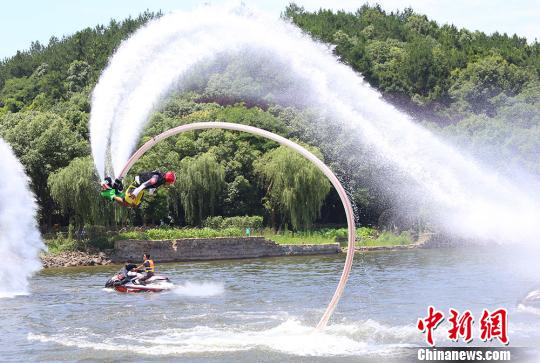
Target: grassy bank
x: 105, y: 239
x: 372, y: 237
x: 365, y: 236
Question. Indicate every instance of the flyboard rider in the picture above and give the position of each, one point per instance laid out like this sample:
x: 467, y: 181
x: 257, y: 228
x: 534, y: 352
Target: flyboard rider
x: 132, y: 197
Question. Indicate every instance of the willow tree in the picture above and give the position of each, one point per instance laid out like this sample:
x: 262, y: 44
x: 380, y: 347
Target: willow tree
x: 199, y: 183
x: 75, y: 189
x: 296, y: 189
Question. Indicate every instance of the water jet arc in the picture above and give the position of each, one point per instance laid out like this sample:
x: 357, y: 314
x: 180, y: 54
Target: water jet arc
x: 302, y: 151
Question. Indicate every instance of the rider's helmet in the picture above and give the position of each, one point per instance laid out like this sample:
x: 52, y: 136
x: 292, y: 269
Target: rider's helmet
x: 170, y: 177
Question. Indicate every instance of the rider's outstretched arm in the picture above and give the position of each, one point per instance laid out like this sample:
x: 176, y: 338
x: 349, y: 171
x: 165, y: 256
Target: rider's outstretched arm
x: 145, y: 185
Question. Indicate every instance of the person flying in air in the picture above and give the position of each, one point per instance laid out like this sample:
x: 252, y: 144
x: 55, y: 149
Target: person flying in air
x: 114, y: 191
x: 151, y: 181
x: 132, y: 197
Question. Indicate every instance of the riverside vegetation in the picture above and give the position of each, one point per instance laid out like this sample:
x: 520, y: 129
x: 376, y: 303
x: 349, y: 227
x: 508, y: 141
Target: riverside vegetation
x: 95, y: 238
x: 366, y: 236
x: 477, y: 90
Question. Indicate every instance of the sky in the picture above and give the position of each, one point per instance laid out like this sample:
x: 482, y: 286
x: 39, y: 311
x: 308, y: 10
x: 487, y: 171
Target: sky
x: 24, y: 21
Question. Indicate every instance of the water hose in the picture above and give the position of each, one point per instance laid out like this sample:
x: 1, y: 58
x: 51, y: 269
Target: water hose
x: 302, y: 151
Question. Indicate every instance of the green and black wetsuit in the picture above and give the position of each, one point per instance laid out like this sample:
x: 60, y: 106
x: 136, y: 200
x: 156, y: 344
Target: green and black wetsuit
x: 114, y: 189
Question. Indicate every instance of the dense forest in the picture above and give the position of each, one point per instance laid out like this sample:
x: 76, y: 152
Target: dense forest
x: 480, y: 91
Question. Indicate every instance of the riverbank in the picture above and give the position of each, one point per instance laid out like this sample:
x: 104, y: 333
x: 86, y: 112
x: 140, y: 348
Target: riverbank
x: 169, y: 245
x: 74, y: 258
x: 189, y: 249
x: 366, y: 236
x: 223, y: 248
x: 424, y: 240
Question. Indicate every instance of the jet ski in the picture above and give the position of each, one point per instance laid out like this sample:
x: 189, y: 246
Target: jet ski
x: 127, y: 280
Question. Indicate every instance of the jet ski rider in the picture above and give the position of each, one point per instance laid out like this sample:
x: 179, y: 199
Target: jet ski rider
x: 148, y: 267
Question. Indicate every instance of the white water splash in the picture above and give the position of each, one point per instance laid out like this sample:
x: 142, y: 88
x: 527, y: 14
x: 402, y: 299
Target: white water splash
x: 461, y: 196
x: 290, y: 337
x: 531, y: 303
x: 528, y: 309
x: 367, y: 338
x: 199, y: 289
x: 20, y: 241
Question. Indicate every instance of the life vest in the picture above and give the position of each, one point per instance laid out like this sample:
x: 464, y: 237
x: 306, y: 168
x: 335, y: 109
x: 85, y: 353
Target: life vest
x: 150, y: 267
x: 128, y: 198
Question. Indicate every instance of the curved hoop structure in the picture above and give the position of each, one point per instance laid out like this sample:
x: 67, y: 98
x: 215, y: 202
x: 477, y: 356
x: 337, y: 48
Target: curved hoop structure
x: 304, y: 152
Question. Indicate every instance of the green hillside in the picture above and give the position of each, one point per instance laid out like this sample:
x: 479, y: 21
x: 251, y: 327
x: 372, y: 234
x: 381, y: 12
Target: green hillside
x: 480, y: 91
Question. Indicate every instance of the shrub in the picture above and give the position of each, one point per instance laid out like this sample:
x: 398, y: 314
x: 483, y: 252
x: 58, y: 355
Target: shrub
x: 163, y: 233
x: 366, y: 233
x: 132, y: 235
x: 60, y: 244
x: 388, y: 238
x: 335, y: 233
x: 218, y: 222
x: 95, y: 237
x: 213, y: 222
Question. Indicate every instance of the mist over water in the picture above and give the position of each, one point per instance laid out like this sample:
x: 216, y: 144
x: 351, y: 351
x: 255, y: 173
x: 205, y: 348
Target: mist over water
x: 199, y: 289
x: 458, y: 195
x: 20, y: 241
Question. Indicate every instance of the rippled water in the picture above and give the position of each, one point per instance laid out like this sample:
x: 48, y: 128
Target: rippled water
x: 265, y: 309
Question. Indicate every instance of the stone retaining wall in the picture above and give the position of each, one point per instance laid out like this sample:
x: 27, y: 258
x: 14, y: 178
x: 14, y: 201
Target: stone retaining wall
x: 198, y: 249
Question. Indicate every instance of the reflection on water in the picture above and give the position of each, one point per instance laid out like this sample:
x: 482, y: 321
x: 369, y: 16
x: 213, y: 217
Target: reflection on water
x: 264, y: 309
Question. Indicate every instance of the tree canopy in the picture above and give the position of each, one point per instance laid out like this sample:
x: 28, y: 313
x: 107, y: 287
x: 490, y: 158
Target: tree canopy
x: 478, y: 91
x: 295, y: 187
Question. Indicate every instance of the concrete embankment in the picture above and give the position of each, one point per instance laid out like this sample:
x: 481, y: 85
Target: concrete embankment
x: 223, y: 248
x: 200, y: 249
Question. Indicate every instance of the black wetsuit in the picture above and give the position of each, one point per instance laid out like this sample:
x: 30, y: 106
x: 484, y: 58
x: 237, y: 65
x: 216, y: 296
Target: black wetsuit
x: 116, y: 185
x: 146, y: 176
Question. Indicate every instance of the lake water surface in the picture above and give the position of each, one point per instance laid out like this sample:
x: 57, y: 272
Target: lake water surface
x: 265, y: 309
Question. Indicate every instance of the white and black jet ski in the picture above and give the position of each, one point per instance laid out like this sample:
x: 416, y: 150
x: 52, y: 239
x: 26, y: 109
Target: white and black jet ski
x: 127, y: 280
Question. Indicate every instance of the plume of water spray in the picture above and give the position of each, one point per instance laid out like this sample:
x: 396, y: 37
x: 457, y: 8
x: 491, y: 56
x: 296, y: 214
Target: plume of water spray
x: 463, y: 197
x: 199, y: 289
x: 20, y: 241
